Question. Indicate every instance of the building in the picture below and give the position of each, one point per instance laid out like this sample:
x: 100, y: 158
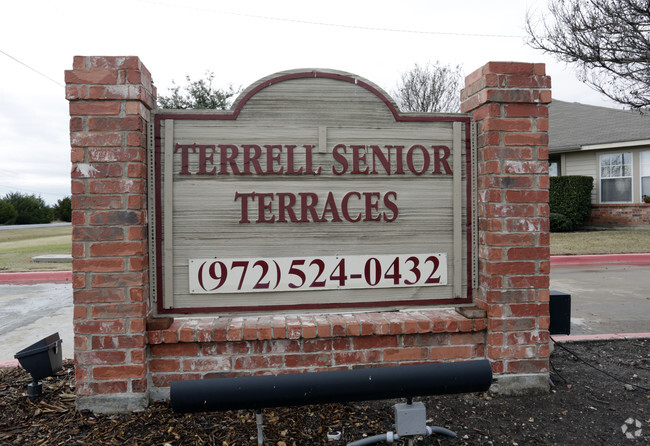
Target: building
x: 613, y: 147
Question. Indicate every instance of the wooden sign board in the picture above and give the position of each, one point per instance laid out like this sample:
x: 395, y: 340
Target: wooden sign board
x: 313, y: 193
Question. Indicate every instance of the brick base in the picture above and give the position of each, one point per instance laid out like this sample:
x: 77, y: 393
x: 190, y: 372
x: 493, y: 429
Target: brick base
x: 619, y: 215
x: 245, y: 346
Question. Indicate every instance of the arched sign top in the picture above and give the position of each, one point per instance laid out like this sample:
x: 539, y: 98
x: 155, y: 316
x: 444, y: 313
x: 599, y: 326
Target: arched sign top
x: 309, y: 73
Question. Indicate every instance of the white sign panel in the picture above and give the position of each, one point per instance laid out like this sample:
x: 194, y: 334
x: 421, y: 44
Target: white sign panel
x: 220, y: 275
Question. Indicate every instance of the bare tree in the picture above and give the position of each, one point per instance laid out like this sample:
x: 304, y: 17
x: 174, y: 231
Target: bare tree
x: 609, y: 40
x: 430, y: 88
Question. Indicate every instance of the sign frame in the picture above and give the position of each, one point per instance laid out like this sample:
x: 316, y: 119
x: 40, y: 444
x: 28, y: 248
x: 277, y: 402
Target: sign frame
x: 161, y: 215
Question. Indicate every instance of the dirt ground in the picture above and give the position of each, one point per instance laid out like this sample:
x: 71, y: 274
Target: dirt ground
x: 585, y: 407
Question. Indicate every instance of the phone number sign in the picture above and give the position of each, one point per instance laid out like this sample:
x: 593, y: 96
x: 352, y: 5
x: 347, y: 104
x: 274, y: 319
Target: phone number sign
x: 250, y: 275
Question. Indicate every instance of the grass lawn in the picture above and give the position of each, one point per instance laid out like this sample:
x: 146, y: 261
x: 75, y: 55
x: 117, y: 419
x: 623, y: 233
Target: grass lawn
x: 18, y: 246
x: 600, y: 242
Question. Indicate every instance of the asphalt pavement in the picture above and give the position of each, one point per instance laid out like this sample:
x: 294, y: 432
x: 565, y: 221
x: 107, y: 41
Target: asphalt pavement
x: 610, y: 297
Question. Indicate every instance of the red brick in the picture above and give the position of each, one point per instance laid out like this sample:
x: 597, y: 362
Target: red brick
x: 167, y: 350
x: 448, y: 352
x: 98, y: 265
x: 510, y: 267
x: 115, y: 124
x: 112, y: 280
x: 115, y: 154
x: 520, y: 68
x: 122, y: 310
x: 258, y: 362
x: 527, y: 337
x: 207, y: 364
x: 98, y: 296
x: 116, y: 62
x: 525, y: 81
x: 94, y: 234
x: 166, y: 379
x: 509, y: 210
x: 365, y: 357
x: 525, y: 110
x: 275, y: 346
x: 100, y: 357
x: 120, y: 372
x: 137, y: 233
x: 507, y: 124
x: 100, y: 139
x: 526, y: 139
x: 527, y: 366
x: 318, y: 345
x: 406, y: 354
x: 108, y: 186
x: 425, y: 339
x: 118, y: 249
x: 526, y: 196
x: 509, y: 181
x: 528, y: 253
x: 512, y: 153
x: 308, y: 360
x: 528, y: 309
x: 116, y: 218
x: 373, y: 342
x: 117, y: 342
x: 97, y: 327
x: 515, y: 324
x: 95, y: 108
x: 101, y: 388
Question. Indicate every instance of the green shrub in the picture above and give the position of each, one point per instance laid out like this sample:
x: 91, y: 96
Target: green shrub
x: 63, y: 209
x: 30, y: 208
x: 560, y: 223
x: 570, y: 196
x: 8, y: 213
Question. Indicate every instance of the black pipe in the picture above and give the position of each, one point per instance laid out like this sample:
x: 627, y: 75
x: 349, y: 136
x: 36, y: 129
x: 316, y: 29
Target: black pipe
x: 257, y: 392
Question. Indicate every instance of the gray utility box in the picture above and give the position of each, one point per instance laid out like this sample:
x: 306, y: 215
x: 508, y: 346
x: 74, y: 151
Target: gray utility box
x: 410, y: 419
x: 560, y: 312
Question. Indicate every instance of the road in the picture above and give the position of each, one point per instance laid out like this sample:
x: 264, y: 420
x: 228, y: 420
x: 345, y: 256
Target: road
x: 606, y: 298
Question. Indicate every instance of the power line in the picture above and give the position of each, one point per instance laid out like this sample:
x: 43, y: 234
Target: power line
x: 334, y: 25
x: 33, y: 69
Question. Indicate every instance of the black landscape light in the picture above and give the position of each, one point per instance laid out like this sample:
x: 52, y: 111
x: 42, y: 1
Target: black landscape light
x: 41, y: 359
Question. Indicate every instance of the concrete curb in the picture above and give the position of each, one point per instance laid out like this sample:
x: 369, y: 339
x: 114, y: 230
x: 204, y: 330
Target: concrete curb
x: 36, y: 277
x: 600, y: 337
x: 627, y: 259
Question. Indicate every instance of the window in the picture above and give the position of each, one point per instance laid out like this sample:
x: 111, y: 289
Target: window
x: 616, y: 178
x: 554, y: 167
x: 645, y: 174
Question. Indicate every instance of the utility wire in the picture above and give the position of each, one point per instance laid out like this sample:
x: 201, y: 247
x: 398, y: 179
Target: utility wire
x: 599, y: 369
x: 33, y: 69
x: 335, y: 25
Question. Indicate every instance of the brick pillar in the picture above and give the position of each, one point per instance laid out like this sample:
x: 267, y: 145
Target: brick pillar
x: 110, y: 102
x: 508, y: 101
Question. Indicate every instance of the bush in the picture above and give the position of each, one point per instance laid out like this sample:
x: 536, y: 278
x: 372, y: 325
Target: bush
x: 30, y: 208
x: 570, y: 196
x: 63, y: 209
x: 560, y: 223
x: 8, y: 213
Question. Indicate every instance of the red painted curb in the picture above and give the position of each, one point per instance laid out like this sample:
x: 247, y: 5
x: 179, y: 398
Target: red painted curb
x: 36, y: 277
x: 628, y: 259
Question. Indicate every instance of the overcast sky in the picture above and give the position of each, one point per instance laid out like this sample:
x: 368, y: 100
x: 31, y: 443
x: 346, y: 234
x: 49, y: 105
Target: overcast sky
x: 241, y: 42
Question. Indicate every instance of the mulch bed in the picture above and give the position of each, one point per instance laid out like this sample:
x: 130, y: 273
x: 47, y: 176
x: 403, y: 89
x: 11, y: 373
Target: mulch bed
x: 584, y: 407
